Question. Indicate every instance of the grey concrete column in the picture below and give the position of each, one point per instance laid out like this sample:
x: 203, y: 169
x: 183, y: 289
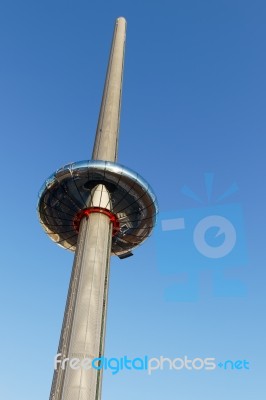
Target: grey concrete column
x: 106, y: 141
x: 85, y: 316
x: 83, y: 330
x: 87, y: 338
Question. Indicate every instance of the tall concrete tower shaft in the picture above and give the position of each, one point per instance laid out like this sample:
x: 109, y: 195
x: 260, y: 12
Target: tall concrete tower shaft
x: 83, y: 331
x: 96, y: 208
x: 106, y: 141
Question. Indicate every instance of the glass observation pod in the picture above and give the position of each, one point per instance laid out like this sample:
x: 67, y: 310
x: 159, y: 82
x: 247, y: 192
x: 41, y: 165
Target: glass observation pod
x: 66, y: 194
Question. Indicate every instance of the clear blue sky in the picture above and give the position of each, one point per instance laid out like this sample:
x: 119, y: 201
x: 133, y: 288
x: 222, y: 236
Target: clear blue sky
x: 193, y: 103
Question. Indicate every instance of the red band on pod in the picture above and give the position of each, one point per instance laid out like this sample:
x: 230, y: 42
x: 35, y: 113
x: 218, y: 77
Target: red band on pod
x: 87, y: 211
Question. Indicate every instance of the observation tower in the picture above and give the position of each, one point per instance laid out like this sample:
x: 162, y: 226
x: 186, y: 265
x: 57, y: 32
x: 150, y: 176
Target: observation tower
x: 96, y: 209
